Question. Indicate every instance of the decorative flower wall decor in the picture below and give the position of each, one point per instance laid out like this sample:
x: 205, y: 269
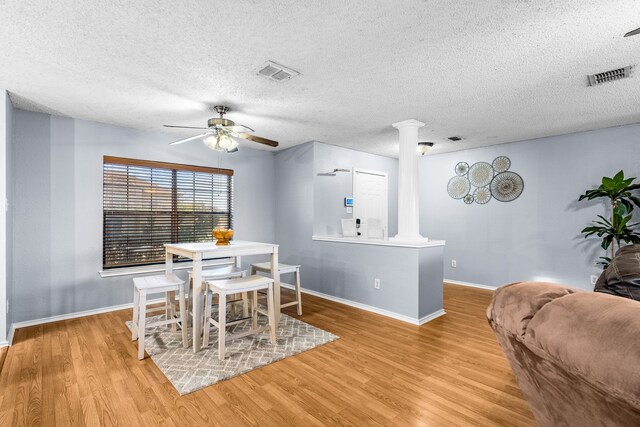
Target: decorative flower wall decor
x: 493, y: 180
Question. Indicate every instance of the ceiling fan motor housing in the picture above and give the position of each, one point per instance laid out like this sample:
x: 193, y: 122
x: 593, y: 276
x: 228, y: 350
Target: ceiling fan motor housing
x: 219, y: 121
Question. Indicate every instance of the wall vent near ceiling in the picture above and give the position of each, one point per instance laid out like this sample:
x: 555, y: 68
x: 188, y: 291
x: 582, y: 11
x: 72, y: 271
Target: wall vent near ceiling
x: 277, y: 72
x: 454, y: 138
x: 609, y: 76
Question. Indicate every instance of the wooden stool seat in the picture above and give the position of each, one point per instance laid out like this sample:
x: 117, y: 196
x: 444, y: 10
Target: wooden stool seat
x: 229, y: 272
x: 265, y: 267
x: 168, y: 284
x: 282, y: 268
x: 242, y: 285
x: 218, y: 273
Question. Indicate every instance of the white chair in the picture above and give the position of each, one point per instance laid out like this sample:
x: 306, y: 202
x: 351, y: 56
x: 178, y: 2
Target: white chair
x: 226, y: 287
x: 168, y: 284
x: 265, y: 267
x: 220, y: 273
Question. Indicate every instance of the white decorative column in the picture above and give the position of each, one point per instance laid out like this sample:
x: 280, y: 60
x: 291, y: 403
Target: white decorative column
x: 408, y: 196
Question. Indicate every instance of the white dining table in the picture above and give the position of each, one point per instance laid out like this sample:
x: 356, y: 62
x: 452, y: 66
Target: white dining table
x: 198, y: 252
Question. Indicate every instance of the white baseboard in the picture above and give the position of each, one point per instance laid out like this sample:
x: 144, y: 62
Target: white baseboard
x: 430, y: 317
x: 472, y: 285
x: 68, y: 316
x: 383, y: 312
x: 387, y: 313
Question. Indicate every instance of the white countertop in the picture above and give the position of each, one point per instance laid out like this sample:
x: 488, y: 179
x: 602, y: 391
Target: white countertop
x: 426, y: 243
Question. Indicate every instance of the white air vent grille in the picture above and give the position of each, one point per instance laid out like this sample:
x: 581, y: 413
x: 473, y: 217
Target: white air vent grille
x: 268, y: 71
x: 277, y: 72
x: 609, y: 76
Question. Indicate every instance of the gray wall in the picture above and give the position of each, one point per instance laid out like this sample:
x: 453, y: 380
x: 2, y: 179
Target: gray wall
x: 294, y: 202
x: 57, y: 223
x: 537, y: 236
x: 329, y: 191
x: 309, y: 204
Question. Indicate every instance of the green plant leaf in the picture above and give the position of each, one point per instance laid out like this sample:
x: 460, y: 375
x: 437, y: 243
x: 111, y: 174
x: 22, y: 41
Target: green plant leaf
x: 622, y: 195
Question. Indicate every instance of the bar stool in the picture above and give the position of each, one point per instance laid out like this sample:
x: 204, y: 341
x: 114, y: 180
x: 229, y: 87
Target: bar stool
x: 265, y: 267
x: 168, y: 284
x: 226, y: 287
x: 227, y: 272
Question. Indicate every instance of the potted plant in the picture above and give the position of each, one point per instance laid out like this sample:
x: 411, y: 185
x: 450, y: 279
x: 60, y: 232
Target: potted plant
x: 618, y: 228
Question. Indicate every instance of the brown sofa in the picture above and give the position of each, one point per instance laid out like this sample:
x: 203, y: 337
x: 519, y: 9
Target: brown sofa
x: 575, y: 354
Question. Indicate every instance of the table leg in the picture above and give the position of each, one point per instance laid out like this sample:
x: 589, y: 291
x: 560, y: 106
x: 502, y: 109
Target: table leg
x: 275, y: 275
x: 168, y: 265
x: 168, y: 262
x: 197, y: 302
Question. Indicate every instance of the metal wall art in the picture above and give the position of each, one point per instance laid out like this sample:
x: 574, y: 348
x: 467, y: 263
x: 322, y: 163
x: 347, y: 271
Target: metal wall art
x: 491, y: 180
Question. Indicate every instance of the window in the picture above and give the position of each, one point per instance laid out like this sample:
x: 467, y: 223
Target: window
x: 147, y: 204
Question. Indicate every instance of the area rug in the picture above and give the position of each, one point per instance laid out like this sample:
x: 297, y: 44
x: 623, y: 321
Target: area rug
x: 189, y: 372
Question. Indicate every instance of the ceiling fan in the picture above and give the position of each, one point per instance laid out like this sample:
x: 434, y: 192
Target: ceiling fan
x: 220, y: 133
x: 633, y: 33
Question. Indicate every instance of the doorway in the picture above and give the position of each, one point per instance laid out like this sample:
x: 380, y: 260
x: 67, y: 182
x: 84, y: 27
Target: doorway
x: 370, y: 202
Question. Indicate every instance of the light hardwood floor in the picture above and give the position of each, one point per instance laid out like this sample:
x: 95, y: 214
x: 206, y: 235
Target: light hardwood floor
x: 450, y: 371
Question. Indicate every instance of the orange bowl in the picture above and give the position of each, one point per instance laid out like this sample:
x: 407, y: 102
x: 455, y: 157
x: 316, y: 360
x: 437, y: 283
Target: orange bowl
x: 222, y: 236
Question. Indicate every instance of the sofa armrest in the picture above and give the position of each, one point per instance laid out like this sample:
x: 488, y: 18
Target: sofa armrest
x: 513, y: 306
x: 594, y: 336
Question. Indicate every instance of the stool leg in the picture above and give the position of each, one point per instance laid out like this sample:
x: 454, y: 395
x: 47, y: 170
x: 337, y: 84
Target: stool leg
x: 222, y: 320
x: 206, y: 328
x: 298, y: 292
x: 136, y: 303
x: 183, y: 318
x: 190, y: 303
x: 254, y: 310
x: 245, y: 305
x: 170, y: 310
x: 272, y: 315
x: 142, y: 316
x: 233, y: 307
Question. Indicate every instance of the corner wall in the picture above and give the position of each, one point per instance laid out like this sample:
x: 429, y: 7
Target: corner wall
x: 537, y: 236
x: 309, y: 204
x: 57, y: 223
x: 6, y: 110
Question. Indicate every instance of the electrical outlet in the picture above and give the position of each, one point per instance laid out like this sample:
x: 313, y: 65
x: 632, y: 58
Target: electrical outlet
x: 376, y: 283
x: 454, y: 263
x: 594, y: 279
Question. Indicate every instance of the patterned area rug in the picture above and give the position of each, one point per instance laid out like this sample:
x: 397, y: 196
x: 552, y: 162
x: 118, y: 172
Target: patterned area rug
x: 189, y: 372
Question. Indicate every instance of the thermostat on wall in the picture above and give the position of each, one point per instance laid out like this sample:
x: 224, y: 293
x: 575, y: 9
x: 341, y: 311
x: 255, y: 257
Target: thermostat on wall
x: 348, y: 202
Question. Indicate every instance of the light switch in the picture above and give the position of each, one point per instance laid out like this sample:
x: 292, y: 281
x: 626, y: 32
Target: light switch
x: 349, y: 210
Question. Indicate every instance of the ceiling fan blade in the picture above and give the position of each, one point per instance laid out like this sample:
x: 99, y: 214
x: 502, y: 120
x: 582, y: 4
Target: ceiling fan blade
x: 258, y: 139
x: 182, y: 127
x: 238, y: 128
x: 191, y: 138
x: 633, y: 33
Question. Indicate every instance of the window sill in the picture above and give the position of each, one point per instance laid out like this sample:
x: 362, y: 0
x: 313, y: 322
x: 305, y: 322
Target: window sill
x: 130, y: 271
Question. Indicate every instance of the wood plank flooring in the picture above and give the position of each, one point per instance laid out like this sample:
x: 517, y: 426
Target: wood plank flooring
x: 450, y: 371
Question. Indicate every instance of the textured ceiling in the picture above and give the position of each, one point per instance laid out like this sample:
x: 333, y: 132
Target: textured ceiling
x: 490, y: 71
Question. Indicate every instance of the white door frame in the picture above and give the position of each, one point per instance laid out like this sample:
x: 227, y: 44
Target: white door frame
x: 385, y: 220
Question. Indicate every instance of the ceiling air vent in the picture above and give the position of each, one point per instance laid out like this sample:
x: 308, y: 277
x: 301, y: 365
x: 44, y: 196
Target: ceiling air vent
x: 609, y: 76
x: 277, y: 72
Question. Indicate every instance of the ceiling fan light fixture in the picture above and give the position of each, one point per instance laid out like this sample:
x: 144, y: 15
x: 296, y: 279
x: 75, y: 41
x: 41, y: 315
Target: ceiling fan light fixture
x: 423, y: 147
x: 220, y: 142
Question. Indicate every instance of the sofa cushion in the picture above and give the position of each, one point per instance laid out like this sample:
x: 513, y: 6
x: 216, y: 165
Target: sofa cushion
x: 622, y: 276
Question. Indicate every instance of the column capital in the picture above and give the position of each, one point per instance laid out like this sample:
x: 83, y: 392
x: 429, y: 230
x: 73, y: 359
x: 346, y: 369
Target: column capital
x: 406, y: 123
